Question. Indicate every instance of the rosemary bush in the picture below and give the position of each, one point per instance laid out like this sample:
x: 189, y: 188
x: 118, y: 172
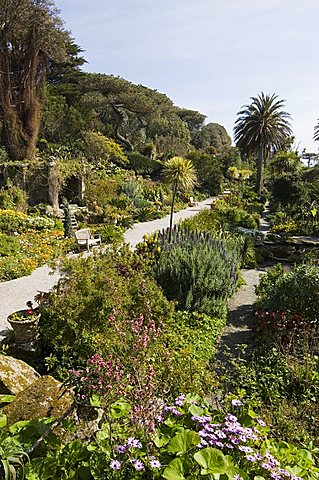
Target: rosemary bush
x: 197, y: 270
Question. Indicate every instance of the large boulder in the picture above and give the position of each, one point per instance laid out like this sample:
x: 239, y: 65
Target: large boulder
x: 46, y: 397
x: 15, y: 375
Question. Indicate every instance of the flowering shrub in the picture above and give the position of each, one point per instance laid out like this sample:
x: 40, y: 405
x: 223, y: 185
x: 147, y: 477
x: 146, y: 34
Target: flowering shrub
x: 12, y: 221
x: 295, y: 293
x: 197, y: 270
x: 21, y: 254
x: 283, y: 327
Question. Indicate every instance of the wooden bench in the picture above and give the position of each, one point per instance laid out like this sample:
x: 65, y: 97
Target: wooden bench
x: 84, y: 239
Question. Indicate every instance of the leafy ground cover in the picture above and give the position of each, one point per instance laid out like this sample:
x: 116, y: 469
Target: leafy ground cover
x: 27, y: 242
x: 281, y: 375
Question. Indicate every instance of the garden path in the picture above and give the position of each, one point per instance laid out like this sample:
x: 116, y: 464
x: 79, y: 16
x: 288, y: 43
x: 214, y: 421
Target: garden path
x: 15, y: 293
x: 241, y: 314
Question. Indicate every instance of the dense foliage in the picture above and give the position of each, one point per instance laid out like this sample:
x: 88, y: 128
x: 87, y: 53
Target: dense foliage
x: 197, y: 271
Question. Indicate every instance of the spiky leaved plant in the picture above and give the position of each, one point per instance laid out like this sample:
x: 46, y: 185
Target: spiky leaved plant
x: 179, y: 172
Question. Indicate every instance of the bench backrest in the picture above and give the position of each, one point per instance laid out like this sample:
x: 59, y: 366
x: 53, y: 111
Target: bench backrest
x: 83, y: 234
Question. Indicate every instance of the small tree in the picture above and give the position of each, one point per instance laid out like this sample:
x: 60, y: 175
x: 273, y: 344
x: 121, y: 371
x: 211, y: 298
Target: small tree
x: 179, y: 172
x: 67, y: 221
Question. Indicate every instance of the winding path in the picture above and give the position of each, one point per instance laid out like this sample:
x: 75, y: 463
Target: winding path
x: 241, y: 316
x: 15, y: 293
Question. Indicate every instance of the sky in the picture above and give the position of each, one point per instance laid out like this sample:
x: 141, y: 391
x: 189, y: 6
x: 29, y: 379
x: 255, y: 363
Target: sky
x: 208, y: 55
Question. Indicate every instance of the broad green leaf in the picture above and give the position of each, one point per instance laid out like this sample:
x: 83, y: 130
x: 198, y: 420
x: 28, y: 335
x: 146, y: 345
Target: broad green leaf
x: 246, y: 420
x: 211, y: 460
x: 3, y: 420
x: 95, y: 400
x: 74, y: 452
x: 120, y: 409
x: 177, y: 469
x: 41, y: 468
x: 183, y: 442
x: 195, y: 410
x: 161, y: 441
x: 7, y: 398
x: 190, y: 397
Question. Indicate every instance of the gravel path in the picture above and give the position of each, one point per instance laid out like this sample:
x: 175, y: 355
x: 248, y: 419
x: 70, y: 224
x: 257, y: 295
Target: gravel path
x: 135, y: 235
x: 15, y: 293
x: 241, y: 318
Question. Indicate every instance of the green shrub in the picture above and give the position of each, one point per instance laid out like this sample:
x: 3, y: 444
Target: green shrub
x: 77, y: 323
x: 223, y: 216
x: 13, y: 198
x: 197, y: 271
x: 295, y: 292
x: 8, y: 245
x: 110, y: 234
x: 143, y: 165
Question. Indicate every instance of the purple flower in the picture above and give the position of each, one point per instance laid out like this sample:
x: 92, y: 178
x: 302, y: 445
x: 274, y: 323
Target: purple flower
x: 219, y: 444
x: 234, y: 440
x: 237, y: 477
x: 133, y: 442
x: 179, y: 401
x: 246, y: 449
x: 231, y: 418
x: 121, y: 448
x: 237, y: 403
x: 115, y: 465
x: 275, y: 476
x: 272, y: 460
x: 137, y: 464
x: 266, y: 466
x: 220, y: 434
x: 204, y: 419
x: 261, y: 422
x: 154, y: 463
x: 284, y: 472
x: 251, y: 458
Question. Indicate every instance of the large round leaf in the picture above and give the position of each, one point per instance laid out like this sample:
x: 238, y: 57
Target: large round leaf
x: 177, y: 469
x: 211, y: 460
x: 183, y: 441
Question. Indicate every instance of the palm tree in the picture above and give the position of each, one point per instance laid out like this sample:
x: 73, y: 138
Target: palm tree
x: 316, y: 132
x: 179, y: 172
x: 262, y: 128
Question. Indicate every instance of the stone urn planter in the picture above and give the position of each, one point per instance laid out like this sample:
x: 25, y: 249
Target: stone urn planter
x: 25, y: 324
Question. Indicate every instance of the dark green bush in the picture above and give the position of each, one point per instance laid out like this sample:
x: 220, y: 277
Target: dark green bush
x: 143, y: 165
x: 110, y: 234
x: 197, y: 271
x: 13, y: 198
x: 295, y: 292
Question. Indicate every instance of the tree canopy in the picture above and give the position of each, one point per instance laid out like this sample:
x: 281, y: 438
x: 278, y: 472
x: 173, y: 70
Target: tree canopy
x: 262, y: 128
x: 31, y: 35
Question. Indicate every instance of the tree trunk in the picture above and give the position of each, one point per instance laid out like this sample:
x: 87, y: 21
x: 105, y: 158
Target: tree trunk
x: 172, y: 212
x: 260, y: 171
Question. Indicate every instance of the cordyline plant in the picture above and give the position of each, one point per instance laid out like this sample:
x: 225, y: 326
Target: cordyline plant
x: 178, y: 172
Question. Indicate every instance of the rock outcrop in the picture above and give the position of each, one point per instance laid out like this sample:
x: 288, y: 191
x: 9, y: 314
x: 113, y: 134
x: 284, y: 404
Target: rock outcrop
x: 15, y: 375
x: 43, y: 398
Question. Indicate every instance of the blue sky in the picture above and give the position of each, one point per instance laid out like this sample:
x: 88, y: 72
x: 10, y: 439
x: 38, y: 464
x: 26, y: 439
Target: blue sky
x: 208, y: 55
